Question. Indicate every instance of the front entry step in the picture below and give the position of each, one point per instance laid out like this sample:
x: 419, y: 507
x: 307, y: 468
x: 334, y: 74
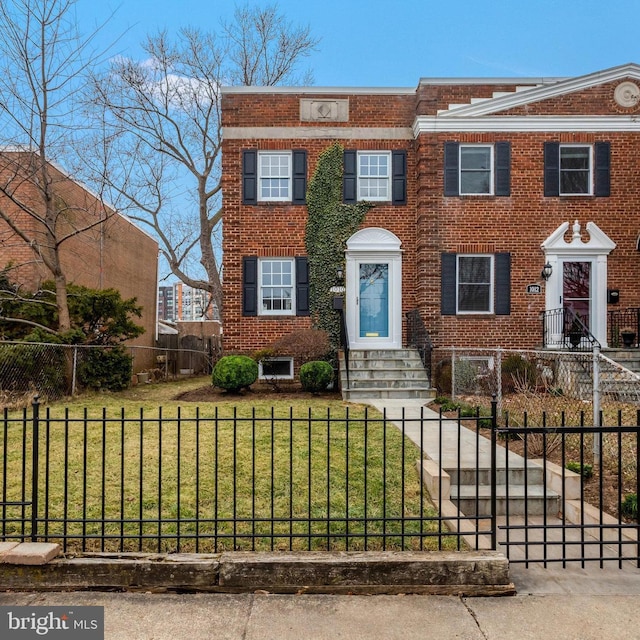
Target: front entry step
x: 385, y: 374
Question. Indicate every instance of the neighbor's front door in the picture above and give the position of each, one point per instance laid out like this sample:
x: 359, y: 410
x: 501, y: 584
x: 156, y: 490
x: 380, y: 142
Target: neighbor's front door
x: 576, y: 288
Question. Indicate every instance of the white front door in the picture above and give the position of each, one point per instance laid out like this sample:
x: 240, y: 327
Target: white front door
x: 374, y: 290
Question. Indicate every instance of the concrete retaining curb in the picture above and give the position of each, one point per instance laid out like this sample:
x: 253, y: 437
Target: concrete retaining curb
x: 459, y: 573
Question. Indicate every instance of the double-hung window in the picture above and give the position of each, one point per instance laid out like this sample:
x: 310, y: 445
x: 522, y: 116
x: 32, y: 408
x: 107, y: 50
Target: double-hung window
x: 374, y: 175
x: 274, y: 176
x: 575, y: 170
x: 476, y: 169
x: 475, y: 284
x: 277, y: 287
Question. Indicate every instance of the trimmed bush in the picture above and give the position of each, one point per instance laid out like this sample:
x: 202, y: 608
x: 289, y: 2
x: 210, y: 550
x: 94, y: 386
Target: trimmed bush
x: 106, y: 368
x: 315, y: 376
x: 234, y: 373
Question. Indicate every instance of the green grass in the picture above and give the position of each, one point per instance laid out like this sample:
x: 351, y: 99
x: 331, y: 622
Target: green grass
x: 302, y: 481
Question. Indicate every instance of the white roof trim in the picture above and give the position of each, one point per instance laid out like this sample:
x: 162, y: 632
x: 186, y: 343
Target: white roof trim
x: 320, y: 90
x: 436, y: 124
x: 527, y: 96
x: 506, y: 80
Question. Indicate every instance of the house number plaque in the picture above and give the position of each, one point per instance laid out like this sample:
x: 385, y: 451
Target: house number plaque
x: 534, y: 288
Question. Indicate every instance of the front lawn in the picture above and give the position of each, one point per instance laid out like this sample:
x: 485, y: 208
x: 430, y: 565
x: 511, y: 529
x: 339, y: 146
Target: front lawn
x: 140, y: 470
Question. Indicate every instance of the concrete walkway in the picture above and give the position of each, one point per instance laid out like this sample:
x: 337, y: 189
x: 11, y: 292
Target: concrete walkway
x: 456, y: 447
x: 580, y: 607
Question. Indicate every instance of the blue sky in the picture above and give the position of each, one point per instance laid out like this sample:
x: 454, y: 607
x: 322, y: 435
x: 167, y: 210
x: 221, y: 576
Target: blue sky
x: 395, y: 43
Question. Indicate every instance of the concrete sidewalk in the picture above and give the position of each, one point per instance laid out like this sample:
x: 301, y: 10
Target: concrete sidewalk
x: 585, y: 605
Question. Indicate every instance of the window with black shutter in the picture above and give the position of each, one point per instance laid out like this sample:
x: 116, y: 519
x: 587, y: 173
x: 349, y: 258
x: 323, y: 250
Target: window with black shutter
x: 477, y: 169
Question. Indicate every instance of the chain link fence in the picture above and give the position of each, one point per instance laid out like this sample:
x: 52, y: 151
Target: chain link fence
x: 562, y: 384
x: 52, y: 371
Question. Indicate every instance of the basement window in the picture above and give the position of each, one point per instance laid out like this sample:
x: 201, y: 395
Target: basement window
x: 276, y: 369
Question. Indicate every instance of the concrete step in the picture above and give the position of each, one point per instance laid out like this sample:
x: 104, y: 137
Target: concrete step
x: 383, y: 354
x: 385, y: 374
x: 355, y: 395
x: 388, y: 373
x: 476, y: 501
x: 393, y: 383
x: 482, y: 475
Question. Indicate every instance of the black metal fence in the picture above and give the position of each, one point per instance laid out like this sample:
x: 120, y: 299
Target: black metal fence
x: 576, y: 498
x: 543, y: 491
x: 190, y: 482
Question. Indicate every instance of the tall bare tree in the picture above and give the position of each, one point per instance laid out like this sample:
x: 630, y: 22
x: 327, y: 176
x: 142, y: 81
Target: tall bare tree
x: 44, y: 65
x: 162, y: 130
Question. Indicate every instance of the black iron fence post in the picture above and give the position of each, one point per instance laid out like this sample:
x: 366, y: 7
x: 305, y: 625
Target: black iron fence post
x: 35, y: 455
x: 494, y: 501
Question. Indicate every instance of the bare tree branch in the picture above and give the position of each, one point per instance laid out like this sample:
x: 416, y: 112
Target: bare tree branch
x: 44, y: 64
x: 162, y: 115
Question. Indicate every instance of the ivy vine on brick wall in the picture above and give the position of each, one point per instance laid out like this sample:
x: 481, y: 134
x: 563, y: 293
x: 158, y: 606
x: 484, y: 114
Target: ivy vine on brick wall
x: 330, y: 224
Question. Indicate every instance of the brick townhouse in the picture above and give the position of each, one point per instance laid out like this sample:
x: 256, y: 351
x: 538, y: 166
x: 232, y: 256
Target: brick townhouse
x: 478, y: 184
x: 116, y: 254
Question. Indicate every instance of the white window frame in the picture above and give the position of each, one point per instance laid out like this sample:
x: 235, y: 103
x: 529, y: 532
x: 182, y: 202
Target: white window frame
x: 589, y: 147
x: 288, y: 176
x: 492, y: 283
x: 491, y: 170
x: 289, y: 376
x: 361, y: 178
x: 261, y: 287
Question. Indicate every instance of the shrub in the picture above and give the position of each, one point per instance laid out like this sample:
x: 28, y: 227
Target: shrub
x: 584, y: 470
x: 25, y: 367
x: 442, y: 376
x: 304, y: 345
x: 315, y: 376
x: 517, y: 374
x: 106, y: 369
x: 234, y: 373
x: 630, y: 506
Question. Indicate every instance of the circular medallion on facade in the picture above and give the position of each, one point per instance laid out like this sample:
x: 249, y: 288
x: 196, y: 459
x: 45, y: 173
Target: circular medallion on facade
x: 627, y: 94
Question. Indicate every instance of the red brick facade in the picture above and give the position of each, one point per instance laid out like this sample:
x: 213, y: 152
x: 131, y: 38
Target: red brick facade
x: 525, y: 114
x: 115, y: 254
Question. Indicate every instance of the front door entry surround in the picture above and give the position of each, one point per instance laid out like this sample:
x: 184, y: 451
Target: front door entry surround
x: 374, y: 289
x: 579, y: 274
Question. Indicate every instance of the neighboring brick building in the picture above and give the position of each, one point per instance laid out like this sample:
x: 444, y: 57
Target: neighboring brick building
x: 477, y: 184
x: 115, y: 254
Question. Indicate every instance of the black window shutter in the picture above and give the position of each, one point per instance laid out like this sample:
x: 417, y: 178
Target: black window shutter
x: 299, y: 177
x: 399, y: 177
x: 502, y: 303
x: 451, y: 169
x: 448, y: 284
x: 503, y: 169
x: 249, y: 177
x: 350, y: 177
x: 302, y: 287
x: 250, y: 286
x: 602, y: 172
x: 551, y: 169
